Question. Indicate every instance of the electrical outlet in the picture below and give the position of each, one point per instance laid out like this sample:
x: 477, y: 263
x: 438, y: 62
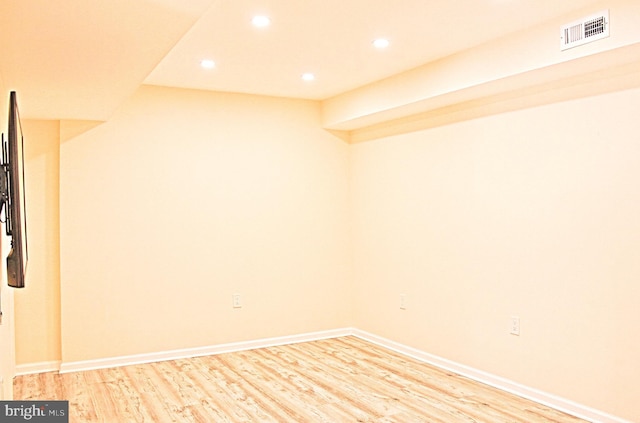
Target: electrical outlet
x: 237, y: 301
x: 403, y: 301
x: 514, y: 325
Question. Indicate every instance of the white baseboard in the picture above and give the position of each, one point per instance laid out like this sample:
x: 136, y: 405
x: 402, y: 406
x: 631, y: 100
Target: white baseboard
x: 42, y: 367
x: 535, y: 395
x: 552, y: 401
x: 76, y: 366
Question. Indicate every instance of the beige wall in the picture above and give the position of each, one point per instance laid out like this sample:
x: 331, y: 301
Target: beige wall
x: 184, y: 198
x: 38, y: 304
x: 531, y: 214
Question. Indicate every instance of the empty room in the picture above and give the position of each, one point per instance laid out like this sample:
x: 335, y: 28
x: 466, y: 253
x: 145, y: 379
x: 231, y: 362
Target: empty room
x: 320, y: 211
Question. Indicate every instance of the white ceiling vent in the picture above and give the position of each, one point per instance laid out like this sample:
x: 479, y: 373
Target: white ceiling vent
x: 588, y: 29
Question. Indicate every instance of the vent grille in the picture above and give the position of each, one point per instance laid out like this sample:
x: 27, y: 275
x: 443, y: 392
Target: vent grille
x: 586, y: 30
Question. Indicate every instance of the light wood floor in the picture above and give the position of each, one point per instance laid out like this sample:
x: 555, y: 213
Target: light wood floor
x: 336, y: 380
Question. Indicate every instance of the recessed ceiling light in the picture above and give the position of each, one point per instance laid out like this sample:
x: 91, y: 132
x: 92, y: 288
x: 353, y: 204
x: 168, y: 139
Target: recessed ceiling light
x: 381, y: 43
x: 261, y: 21
x: 308, y: 76
x: 208, y: 64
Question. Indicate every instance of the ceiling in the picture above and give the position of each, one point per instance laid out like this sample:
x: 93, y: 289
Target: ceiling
x: 79, y: 59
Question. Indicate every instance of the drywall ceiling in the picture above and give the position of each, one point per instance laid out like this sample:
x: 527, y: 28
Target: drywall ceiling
x: 79, y: 59
x: 333, y: 40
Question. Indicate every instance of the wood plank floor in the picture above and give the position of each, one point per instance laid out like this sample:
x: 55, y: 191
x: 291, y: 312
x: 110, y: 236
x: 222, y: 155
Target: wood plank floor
x: 336, y: 380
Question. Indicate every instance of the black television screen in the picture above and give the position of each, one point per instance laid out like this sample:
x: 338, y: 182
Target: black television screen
x: 14, y: 197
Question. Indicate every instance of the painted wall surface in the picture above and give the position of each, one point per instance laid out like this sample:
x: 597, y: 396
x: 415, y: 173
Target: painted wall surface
x: 531, y: 214
x: 37, y: 306
x: 184, y: 198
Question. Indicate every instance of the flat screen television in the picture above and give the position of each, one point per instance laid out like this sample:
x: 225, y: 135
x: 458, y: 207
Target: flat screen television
x: 12, y: 194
